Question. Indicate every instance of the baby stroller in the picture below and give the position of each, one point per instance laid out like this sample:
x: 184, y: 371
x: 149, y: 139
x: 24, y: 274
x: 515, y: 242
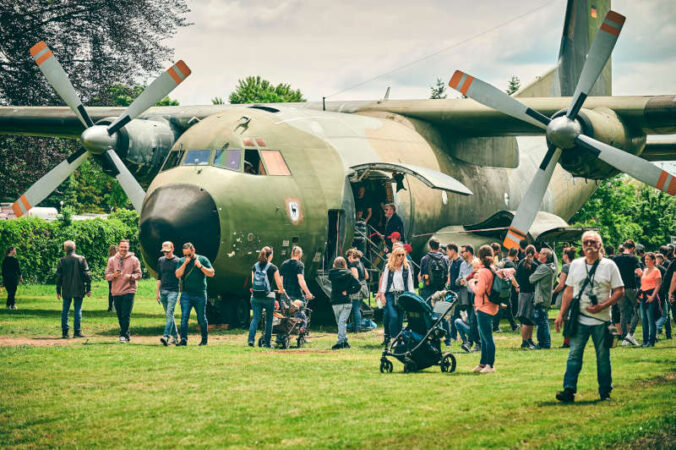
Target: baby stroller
x: 291, y: 318
x: 418, y: 346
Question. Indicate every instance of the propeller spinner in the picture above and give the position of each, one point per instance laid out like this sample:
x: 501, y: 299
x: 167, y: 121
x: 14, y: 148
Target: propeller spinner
x: 564, y: 132
x: 96, y: 139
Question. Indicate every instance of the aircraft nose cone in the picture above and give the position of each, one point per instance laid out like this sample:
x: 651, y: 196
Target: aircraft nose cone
x: 180, y: 214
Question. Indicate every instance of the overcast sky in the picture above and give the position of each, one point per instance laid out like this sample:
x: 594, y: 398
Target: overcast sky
x: 325, y: 47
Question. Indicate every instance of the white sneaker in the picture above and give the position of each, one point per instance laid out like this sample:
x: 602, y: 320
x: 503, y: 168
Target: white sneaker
x: 625, y: 343
x: 173, y: 341
x: 123, y: 340
x: 487, y: 369
x: 478, y: 368
x: 631, y: 339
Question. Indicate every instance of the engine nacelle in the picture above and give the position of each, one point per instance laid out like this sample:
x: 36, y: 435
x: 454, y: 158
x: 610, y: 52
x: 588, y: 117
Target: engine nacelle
x: 143, y: 145
x: 604, y: 125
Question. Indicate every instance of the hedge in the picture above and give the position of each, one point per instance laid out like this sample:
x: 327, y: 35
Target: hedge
x: 39, y: 244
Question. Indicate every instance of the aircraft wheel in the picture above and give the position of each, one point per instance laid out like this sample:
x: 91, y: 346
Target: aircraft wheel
x: 386, y: 366
x: 447, y: 363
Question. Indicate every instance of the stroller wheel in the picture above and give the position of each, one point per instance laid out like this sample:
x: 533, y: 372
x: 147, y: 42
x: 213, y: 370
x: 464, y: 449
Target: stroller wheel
x: 260, y: 341
x: 447, y: 363
x: 386, y: 366
x: 410, y: 366
x: 285, y: 342
x: 300, y: 341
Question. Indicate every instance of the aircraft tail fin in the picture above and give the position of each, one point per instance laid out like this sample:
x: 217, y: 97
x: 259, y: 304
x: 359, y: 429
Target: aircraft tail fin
x: 582, y: 22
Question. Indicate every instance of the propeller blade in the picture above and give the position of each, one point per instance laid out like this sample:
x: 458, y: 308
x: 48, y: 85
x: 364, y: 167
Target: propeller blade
x: 493, y: 97
x: 531, y: 202
x: 630, y: 164
x: 598, y: 56
x: 58, y: 79
x: 48, y: 183
x: 129, y: 184
x: 157, y: 90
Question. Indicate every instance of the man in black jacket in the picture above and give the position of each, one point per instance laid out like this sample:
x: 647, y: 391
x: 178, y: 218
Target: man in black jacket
x: 343, y: 283
x: 394, y: 223
x: 11, y: 276
x: 73, y: 281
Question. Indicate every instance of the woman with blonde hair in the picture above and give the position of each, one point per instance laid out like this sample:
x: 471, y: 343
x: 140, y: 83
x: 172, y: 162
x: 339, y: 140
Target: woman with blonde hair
x: 397, y: 279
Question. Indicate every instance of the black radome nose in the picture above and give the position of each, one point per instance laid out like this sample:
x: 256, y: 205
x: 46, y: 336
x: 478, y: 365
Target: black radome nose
x: 179, y: 213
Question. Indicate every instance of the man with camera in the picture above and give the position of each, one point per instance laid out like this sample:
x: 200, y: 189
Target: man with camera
x: 192, y: 272
x: 589, y: 284
x: 123, y: 270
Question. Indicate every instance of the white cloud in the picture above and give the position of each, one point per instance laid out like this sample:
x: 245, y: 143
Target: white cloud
x: 323, y: 47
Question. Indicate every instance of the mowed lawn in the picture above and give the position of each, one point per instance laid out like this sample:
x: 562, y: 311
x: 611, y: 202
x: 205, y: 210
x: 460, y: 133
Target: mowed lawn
x: 96, y: 392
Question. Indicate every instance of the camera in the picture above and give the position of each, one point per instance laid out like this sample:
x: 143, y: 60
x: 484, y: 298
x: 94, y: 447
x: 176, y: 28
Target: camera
x: 593, y: 299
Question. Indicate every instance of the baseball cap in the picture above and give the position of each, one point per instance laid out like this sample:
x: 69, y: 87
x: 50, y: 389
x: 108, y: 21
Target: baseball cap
x: 167, y: 246
x: 394, y: 235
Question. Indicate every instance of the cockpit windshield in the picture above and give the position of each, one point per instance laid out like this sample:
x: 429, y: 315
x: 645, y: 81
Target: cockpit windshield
x: 197, y: 158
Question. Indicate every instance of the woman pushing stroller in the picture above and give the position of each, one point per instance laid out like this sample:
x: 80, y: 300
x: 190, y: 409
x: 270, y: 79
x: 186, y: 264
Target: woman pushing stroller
x: 397, y: 279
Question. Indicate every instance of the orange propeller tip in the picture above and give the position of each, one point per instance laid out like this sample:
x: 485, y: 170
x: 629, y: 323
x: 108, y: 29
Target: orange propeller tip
x: 455, y: 79
x: 183, y: 67
x: 37, y: 48
x: 616, y: 17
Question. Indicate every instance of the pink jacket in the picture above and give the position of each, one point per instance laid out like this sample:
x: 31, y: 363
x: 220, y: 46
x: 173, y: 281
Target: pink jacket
x: 130, y: 265
x: 481, y: 289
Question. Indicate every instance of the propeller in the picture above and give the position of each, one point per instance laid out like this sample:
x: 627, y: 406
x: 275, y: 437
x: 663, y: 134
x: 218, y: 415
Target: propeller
x: 564, y: 132
x: 96, y: 139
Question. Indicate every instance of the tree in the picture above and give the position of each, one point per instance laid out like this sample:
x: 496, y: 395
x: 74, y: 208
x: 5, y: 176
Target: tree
x: 514, y: 85
x: 257, y: 90
x: 119, y: 94
x: 98, y: 42
x: 438, y: 90
x: 217, y: 101
x: 626, y: 209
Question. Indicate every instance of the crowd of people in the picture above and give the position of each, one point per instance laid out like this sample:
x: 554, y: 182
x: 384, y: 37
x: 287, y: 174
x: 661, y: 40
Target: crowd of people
x: 603, y: 294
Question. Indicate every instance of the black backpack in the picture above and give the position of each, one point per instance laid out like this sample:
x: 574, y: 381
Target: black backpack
x: 500, y: 289
x: 437, y: 269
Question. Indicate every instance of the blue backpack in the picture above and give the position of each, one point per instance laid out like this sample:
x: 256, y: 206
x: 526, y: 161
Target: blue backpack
x: 261, y: 284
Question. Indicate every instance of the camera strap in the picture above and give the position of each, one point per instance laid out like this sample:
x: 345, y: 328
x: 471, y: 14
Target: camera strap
x: 591, y: 273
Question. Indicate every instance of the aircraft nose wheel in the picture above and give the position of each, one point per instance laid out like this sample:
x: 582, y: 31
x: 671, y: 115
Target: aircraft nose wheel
x: 447, y: 363
x: 386, y: 366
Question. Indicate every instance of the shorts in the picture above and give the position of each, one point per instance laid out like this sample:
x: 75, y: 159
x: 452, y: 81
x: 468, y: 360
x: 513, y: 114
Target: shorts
x: 526, y: 309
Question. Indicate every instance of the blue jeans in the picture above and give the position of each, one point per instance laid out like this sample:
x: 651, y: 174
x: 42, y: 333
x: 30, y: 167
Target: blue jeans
x: 258, y: 304
x: 574, y: 364
x: 665, y: 320
x: 463, y: 329
x: 395, y: 315
x: 485, y: 325
x: 77, y: 314
x: 342, y: 313
x: 648, y: 314
x: 168, y: 299
x: 356, y: 315
x: 541, y: 319
x: 199, y: 302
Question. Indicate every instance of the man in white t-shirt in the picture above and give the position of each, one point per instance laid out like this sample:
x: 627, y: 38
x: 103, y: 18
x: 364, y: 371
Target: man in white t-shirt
x: 603, y: 290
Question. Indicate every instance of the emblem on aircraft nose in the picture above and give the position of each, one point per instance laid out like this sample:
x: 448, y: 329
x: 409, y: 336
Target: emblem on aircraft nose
x: 293, y: 209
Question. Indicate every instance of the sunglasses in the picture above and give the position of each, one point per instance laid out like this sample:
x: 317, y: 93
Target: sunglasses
x: 400, y: 256
x: 590, y: 242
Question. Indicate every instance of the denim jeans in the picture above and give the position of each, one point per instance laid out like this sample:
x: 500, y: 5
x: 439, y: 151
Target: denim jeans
x: 665, y: 320
x: 485, y: 325
x: 648, y: 314
x: 474, y: 334
x: 123, y: 306
x: 463, y: 329
x: 342, y: 313
x: 626, y: 305
x: 199, y: 302
x: 77, y: 314
x: 541, y: 319
x: 356, y: 315
x: 574, y: 364
x: 258, y: 304
x: 168, y: 299
x: 395, y: 316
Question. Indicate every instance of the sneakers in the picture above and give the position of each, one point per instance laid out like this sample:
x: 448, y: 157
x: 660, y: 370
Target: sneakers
x: 566, y: 396
x: 475, y: 349
x: 251, y: 343
x: 487, y: 369
x: 478, y: 368
x: 182, y: 343
x: 527, y: 345
x: 79, y: 335
x: 497, y: 330
x: 340, y: 346
x: 123, y: 340
x: 203, y: 342
x: 13, y: 308
x: 625, y: 343
x: 632, y: 340
x: 465, y: 347
x: 605, y: 397
x: 164, y: 340
x: 516, y: 327
x: 173, y: 341
x: 64, y: 335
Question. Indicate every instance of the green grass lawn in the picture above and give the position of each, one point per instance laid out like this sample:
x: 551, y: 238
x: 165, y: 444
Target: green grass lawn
x: 99, y: 393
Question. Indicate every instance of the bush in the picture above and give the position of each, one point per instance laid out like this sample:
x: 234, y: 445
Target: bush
x: 39, y: 243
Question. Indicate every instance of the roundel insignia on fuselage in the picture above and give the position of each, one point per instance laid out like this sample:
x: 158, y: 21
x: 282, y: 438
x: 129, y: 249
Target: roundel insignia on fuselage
x: 293, y: 210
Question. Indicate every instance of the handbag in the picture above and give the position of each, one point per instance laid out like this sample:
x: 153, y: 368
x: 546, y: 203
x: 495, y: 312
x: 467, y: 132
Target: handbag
x: 181, y: 281
x: 570, y: 325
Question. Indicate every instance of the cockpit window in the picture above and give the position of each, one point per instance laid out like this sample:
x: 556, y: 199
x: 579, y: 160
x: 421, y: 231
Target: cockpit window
x: 172, y: 160
x: 275, y: 163
x: 197, y: 158
x: 252, y: 163
x: 228, y: 159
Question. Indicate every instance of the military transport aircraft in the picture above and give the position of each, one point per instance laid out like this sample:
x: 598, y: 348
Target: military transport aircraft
x: 232, y: 179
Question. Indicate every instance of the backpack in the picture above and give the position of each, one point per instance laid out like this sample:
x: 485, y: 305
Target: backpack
x: 500, y: 290
x: 438, y: 272
x: 261, y: 284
